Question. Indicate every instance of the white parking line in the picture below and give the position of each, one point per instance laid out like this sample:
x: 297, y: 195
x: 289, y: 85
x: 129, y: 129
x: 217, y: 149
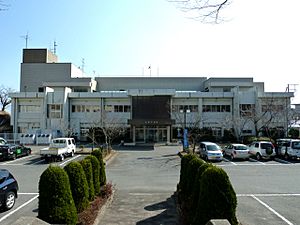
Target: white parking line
x: 254, y: 160
x: 9, y: 162
x: 269, y: 195
x: 226, y: 160
x: 69, y: 160
x: 20, y: 207
x: 272, y: 210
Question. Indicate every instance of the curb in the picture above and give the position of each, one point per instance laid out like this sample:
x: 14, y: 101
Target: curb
x: 103, y: 208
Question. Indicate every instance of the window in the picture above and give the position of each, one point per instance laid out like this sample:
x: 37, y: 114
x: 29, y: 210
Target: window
x: 247, y: 109
x: 178, y: 108
x: 54, y: 111
x: 29, y: 108
x: 85, y: 108
x: 216, y: 108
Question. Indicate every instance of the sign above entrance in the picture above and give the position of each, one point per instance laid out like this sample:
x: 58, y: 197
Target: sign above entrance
x: 161, y: 122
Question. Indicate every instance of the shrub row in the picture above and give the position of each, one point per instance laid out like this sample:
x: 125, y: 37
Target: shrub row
x: 205, y: 192
x: 65, y: 192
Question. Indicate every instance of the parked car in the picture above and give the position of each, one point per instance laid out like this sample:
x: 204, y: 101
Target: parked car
x: 289, y: 148
x: 237, y: 151
x: 262, y: 149
x: 8, y: 189
x: 13, y: 151
x: 210, y: 151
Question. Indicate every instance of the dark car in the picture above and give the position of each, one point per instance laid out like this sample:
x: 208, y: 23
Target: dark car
x: 12, y: 151
x: 8, y: 189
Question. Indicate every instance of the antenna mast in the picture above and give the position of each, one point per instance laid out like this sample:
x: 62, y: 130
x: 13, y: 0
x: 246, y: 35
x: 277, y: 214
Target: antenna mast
x: 54, y: 47
x: 26, y: 38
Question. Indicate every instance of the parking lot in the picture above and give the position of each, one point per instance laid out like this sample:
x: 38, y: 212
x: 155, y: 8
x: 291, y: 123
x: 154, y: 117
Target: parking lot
x: 268, y: 191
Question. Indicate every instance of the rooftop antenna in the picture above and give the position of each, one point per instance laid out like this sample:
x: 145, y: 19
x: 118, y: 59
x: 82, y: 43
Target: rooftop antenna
x: 54, y: 47
x: 26, y: 38
x: 82, y: 65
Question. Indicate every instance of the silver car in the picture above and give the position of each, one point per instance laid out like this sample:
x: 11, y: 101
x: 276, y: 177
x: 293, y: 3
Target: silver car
x: 210, y: 151
x: 237, y: 151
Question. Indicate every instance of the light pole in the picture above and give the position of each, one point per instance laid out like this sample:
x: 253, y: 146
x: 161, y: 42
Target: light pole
x: 185, y: 110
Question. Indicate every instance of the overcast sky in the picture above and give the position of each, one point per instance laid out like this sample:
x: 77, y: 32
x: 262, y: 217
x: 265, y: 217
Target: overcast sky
x: 259, y: 39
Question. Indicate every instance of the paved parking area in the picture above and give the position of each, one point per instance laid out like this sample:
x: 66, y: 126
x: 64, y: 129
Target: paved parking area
x: 268, y: 191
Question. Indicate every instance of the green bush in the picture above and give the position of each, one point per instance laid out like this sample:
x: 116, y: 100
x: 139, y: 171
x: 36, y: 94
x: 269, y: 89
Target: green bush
x: 56, y: 204
x: 184, y: 171
x: 217, y: 198
x: 79, y: 185
x: 196, y: 189
x: 87, y: 168
x: 102, y: 174
x: 96, y: 169
x: 191, y: 173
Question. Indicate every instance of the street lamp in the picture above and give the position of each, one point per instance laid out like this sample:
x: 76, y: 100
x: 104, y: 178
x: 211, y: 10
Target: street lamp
x: 185, y: 110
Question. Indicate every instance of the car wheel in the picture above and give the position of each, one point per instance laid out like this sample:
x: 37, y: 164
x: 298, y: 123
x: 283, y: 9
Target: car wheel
x: 62, y: 158
x: 286, y: 156
x: 72, y: 153
x: 258, y: 156
x: 10, y: 200
x: 14, y: 156
x: 27, y: 152
x: 231, y: 157
x: 205, y: 158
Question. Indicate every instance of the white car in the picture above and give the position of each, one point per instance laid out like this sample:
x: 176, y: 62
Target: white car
x: 210, y: 151
x: 289, y: 148
x: 237, y: 151
x: 262, y: 149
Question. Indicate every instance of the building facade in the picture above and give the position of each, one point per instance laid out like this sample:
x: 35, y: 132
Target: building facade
x: 58, y: 98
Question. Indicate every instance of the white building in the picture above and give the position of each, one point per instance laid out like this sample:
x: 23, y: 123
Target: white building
x: 57, y: 98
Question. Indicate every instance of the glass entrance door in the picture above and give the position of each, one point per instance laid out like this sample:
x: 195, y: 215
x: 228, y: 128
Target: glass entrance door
x: 151, y: 134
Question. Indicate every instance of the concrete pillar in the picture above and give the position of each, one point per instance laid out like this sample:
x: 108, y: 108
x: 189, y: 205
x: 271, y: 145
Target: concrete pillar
x: 133, y: 134
x: 168, y: 134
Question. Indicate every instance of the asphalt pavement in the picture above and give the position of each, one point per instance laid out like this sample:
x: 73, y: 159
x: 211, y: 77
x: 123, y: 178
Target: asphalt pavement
x: 145, y: 180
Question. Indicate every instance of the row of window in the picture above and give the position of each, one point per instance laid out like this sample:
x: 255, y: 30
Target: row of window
x: 29, y: 108
x: 117, y: 108
x: 216, y: 108
x: 85, y: 108
x: 179, y: 108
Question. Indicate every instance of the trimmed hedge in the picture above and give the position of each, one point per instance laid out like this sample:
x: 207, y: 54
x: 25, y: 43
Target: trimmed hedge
x: 87, y: 168
x: 96, y: 169
x: 217, y: 199
x: 102, y: 173
x: 56, y: 204
x: 184, y: 172
x: 196, y: 189
x: 79, y: 185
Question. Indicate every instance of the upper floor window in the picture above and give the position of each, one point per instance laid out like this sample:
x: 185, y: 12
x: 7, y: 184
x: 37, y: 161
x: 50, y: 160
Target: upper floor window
x: 54, y: 111
x: 85, y: 108
x: 247, y: 109
x: 216, y: 108
x: 179, y: 108
x: 29, y: 108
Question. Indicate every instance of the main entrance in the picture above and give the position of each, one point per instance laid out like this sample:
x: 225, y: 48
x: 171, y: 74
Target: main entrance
x: 151, y: 134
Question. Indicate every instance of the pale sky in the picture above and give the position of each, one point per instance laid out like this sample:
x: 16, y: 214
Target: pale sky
x: 259, y: 39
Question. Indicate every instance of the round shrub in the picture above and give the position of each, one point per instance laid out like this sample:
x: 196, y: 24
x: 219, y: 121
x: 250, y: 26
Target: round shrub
x: 56, y: 204
x: 79, y: 185
x: 217, y: 198
x: 102, y: 174
x: 96, y: 169
x: 87, y: 168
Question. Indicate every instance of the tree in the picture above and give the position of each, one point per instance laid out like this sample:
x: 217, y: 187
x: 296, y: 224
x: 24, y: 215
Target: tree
x: 5, y: 100
x: 3, y: 6
x: 207, y: 11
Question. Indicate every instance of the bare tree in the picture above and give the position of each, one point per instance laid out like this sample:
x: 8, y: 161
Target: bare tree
x: 207, y: 11
x: 5, y: 100
x: 3, y: 6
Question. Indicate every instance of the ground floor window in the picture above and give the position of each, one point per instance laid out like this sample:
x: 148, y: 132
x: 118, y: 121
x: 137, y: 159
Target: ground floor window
x: 151, y: 134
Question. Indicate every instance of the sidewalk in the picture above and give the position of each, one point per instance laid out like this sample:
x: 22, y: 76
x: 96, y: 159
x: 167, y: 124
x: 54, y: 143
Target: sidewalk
x: 145, y: 180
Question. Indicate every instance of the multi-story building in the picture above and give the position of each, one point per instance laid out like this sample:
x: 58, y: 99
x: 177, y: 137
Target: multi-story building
x: 58, y: 98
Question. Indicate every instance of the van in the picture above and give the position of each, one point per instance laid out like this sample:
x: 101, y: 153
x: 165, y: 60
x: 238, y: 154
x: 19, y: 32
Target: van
x: 290, y: 148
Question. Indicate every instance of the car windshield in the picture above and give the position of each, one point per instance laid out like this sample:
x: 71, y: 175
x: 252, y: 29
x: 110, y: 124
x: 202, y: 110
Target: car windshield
x: 266, y: 145
x: 240, y: 147
x: 213, y: 147
x: 296, y: 144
